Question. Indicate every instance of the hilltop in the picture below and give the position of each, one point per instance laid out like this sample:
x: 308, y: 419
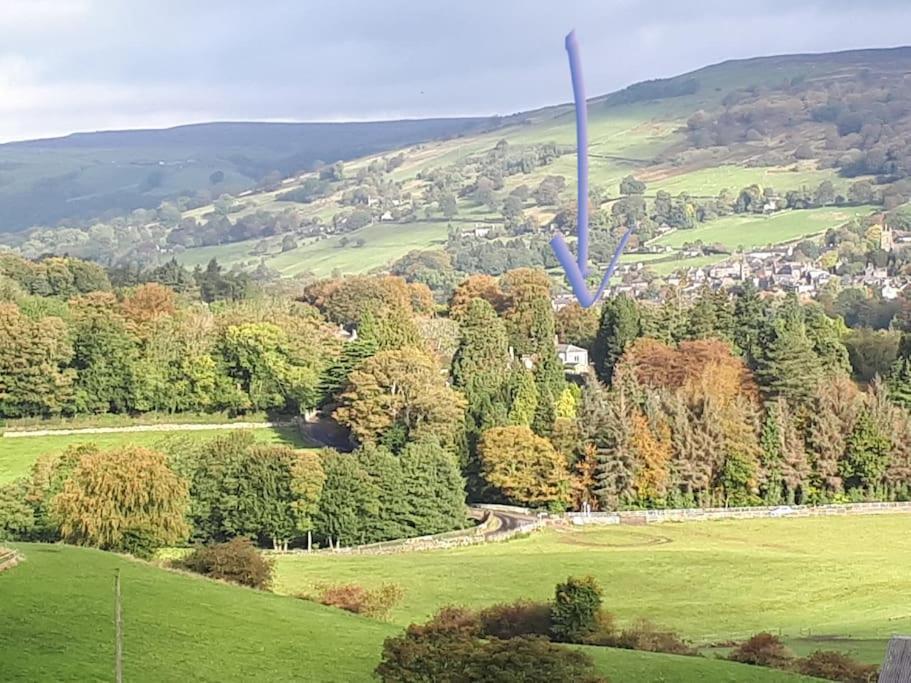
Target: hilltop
x: 805, y: 130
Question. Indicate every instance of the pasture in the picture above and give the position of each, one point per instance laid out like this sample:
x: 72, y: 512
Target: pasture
x: 751, y: 231
x: 18, y: 454
x: 821, y: 582
x: 57, y: 625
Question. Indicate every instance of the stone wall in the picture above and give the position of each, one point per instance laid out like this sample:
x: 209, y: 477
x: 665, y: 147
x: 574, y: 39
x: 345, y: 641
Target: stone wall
x: 708, y: 514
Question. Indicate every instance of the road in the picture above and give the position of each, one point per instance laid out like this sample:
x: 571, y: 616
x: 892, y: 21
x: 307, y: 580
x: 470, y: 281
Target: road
x: 509, y: 520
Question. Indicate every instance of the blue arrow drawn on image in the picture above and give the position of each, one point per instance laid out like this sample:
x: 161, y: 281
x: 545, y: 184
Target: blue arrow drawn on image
x: 576, y: 268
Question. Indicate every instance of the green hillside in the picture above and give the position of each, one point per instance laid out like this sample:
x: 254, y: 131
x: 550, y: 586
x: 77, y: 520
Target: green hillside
x: 783, y: 123
x: 57, y: 625
x: 713, y: 582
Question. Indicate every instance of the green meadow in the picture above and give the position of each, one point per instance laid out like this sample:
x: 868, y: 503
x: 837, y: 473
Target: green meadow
x: 17, y: 454
x: 58, y: 625
x: 822, y: 583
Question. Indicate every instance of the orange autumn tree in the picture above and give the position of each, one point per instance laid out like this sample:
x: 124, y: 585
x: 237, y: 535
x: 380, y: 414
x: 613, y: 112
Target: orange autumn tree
x: 475, y: 287
x: 652, y: 455
x: 713, y: 446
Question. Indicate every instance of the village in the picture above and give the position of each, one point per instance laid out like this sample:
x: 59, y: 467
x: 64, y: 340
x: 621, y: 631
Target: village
x: 774, y: 270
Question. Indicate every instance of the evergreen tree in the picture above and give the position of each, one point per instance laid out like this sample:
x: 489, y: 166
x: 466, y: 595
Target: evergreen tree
x: 771, y: 456
x: 480, y: 367
x: 749, y: 318
x: 826, y: 334
x: 619, y: 326
x: 523, y: 395
x: 866, y: 454
x: 702, y: 318
x: 365, y: 345
x: 899, y: 381
x: 788, y: 366
x: 386, y: 477
x: 348, y: 501
x: 434, y: 491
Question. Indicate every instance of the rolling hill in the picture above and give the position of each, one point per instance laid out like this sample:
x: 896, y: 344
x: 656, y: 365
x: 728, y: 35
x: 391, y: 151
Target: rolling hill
x: 784, y: 123
x: 91, y: 174
x: 57, y: 625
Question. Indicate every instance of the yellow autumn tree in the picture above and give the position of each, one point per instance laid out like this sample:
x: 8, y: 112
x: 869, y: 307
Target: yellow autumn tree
x: 126, y: 499
x: 525, y: 467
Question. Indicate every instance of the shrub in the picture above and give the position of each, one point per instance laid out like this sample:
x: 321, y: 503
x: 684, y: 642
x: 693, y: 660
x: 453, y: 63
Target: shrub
x: 511, y: 620
x: 763, y: 649
x: 528, y: 660
x: 605, y: 630
x: 376, y: 603
x: 574, y: 613
x: 836, y: 666
x: 448, y: 649
x: 237, y: 561
x: 646, y: 636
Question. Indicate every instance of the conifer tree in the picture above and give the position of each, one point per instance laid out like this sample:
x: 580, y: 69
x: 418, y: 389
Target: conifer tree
x: 348, y: 500
x: 523, y: 397
x: 387, y: 478
x: 619, y: 326
x: 749, y: 319
x: 787, y: 366
x: 829, y: 423
x: 434, y: 490
x: 866, y: 454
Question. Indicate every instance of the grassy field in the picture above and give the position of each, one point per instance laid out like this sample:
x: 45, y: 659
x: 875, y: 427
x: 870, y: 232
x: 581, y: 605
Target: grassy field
x: 18, y: 454
x: 758, y: 231
x: 57, y: 625
x: 823, y: 583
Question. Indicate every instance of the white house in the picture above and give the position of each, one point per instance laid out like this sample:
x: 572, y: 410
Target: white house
x: 574, y: 358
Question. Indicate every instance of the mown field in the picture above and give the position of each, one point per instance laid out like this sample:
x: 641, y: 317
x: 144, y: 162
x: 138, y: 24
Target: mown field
x: 57, y: 625
x: 18, y: 454
x: 758, y: 231
x: 822, y: 583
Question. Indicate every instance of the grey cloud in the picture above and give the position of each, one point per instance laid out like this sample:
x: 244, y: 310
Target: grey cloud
x: 87, y: 64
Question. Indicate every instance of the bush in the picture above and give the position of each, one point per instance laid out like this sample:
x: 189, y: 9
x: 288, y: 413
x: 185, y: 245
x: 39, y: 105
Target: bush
x: 237, y: 561
x: 836, y: 666
x: 511, y: 620
x: 763, y: 649
x: 448, y: 649
x: 605, y: 630
x: 527, y: 660
x: 646, y: 636
x: 574, y: 614
x: 351, y: 597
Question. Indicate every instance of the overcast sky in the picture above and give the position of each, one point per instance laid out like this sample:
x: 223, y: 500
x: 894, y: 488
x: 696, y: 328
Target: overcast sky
x: 77, y: 65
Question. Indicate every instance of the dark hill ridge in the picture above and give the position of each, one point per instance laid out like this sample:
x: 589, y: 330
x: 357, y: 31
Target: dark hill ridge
x: 101, y: 174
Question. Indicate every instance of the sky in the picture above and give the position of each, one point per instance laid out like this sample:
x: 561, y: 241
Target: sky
x: 83, y: 65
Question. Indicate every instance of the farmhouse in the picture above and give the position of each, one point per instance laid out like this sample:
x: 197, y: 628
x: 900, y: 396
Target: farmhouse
x: 574, y: 358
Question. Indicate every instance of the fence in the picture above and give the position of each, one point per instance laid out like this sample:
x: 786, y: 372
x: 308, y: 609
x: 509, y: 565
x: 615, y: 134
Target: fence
x: 709, y: 514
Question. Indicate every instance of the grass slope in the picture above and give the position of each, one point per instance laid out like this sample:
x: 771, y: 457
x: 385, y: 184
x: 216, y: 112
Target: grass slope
x: 18, y: 454
x: 641, y: 138
x: 758, y: 231
x: 711, y: 581
x: 57, y: 625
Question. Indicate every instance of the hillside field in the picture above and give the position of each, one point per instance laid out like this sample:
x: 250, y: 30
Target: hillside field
x: 57, y: 625
x: 712, y: 581
x: 759, y: 231
x: 18, y: 454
